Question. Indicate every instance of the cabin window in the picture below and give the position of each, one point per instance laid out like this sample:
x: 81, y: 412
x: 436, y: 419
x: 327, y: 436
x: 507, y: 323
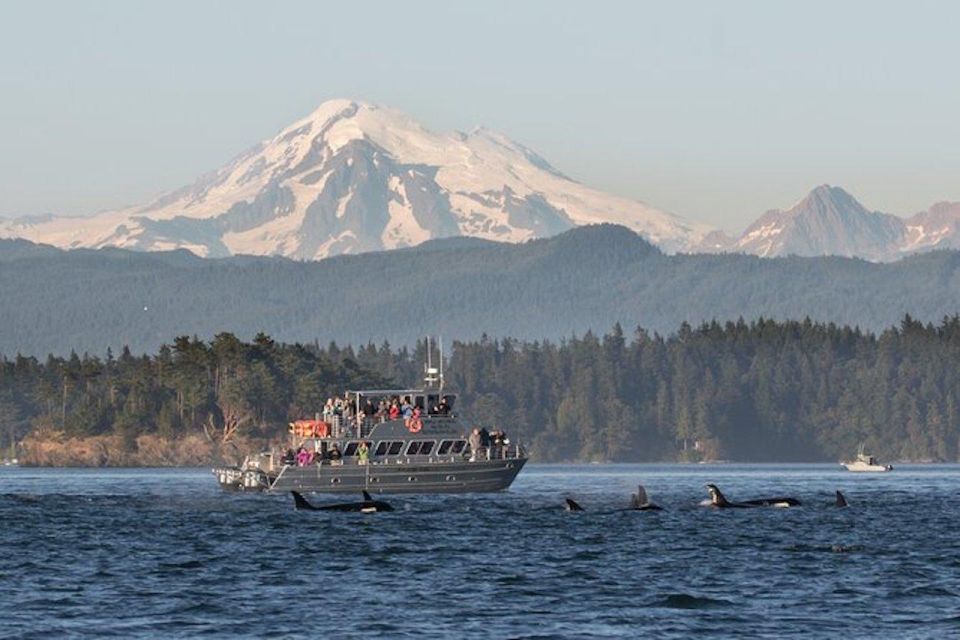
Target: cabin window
x: 381, y: 448
x: 420, y: 447
x: 396, y: 447
x: 432, y: 402
x: 444, y: 447
x: 351, y: 449
x: 459, y: 446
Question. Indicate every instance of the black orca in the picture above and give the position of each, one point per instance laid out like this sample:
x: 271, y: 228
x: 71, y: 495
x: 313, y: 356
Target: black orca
x: 369, y: 505
x: 841, y: 500
x: 717, y: 499
x: 640, y: 502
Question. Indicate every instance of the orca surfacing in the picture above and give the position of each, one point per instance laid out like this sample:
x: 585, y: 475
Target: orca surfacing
x: 718, y: 500
x: 369, y: 505
x: 638, y: 502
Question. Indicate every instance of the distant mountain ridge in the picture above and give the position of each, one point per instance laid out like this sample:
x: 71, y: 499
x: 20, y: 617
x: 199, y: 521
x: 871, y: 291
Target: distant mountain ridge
x: 354, y: 177
x: 830, y: 221
x: 586, y: 278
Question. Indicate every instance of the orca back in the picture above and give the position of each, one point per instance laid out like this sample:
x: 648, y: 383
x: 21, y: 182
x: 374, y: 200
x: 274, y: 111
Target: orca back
x: 841, y: 500
x: 571, y: 505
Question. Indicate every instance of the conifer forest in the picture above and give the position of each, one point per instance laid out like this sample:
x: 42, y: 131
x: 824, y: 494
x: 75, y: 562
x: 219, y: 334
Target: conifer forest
x: 759, y: 391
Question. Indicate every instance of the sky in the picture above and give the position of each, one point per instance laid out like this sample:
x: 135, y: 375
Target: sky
x: 715, y: 111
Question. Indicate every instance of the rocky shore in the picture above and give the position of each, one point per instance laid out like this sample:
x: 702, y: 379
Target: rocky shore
x: 55, y: 449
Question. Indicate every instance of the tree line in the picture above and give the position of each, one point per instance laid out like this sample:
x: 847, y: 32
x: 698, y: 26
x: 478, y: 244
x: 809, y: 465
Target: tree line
x: 761, y: 390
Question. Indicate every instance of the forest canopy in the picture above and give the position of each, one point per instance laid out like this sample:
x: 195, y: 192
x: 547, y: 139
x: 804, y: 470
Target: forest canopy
x: 759, y: 391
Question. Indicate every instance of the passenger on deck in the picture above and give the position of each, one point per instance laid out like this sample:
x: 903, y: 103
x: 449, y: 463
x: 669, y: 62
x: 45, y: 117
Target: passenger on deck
x: 485, y: 441
x: 394, y: 409
x: 321, y: 453
x: 442, y: 409
x: 406, y: 409
x: 474, y: 441
x: 363, y: 452
x: 499, y: 442
x: 335, y: 454
x: 304, y: 457
x: 369, y: 410
x: 289, y: 458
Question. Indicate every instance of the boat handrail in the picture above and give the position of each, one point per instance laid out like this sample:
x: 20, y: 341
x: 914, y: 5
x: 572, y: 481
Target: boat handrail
x: 344, y: 427
x: 505, y: 452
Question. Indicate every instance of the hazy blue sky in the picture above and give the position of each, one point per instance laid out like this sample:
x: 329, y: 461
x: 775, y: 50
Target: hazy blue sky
x: 716, y: 111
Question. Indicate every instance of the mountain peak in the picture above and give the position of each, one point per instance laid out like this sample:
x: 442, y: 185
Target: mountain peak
x: 827, y: 221
x: 826, y: 196
x: 352, y: 176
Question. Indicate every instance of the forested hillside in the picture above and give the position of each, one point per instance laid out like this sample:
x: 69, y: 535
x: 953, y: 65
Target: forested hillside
x: 760, y: 391
x: 590, y: 277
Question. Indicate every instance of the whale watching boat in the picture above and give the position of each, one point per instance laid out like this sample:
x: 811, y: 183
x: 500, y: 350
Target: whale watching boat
x: 417, y: 445
x: 865, y: 463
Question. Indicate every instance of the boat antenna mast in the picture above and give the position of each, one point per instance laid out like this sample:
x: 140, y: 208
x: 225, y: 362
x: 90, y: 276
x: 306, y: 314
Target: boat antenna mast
x: 434, y: 376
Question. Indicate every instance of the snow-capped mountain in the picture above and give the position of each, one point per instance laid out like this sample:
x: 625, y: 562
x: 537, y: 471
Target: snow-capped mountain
x: 936, y: 228
x: 354, y: 177
x: 829, y: 221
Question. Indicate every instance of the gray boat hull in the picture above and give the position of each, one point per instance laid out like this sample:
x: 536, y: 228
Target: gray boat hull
x: 436, y: 477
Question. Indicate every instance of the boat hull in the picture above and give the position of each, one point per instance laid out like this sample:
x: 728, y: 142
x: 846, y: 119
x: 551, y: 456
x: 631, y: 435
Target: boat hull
x: 456, y: 477
x: 860, y: 467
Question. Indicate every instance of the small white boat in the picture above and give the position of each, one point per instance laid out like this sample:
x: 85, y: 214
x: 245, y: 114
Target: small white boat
x: 865, y: 463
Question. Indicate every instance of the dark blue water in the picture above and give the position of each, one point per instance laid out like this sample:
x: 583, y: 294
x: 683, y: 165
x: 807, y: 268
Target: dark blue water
x: 131, y: 553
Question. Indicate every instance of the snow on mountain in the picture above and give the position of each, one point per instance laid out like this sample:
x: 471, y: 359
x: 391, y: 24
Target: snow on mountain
x: 354, y: 177
x: 936, y: 228
x: 829, y: 221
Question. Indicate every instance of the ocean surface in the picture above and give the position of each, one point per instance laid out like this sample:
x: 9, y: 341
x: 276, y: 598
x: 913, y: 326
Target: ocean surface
x: 165, y: 553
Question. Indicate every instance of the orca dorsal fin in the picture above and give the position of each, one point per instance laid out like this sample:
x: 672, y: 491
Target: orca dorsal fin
x: 572, y: 505
x: 300, y: 503
x: 716, y: 496
x: 642, y: 499
x: 366, y: 496
x: 841, y: 500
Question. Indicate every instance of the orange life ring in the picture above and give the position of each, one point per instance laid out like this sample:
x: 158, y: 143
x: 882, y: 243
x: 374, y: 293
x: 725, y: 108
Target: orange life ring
x: 310, y: 428
x: 414, y: 425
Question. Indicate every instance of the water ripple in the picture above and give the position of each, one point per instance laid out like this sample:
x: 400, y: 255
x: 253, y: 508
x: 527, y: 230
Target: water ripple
x: 144, y: 554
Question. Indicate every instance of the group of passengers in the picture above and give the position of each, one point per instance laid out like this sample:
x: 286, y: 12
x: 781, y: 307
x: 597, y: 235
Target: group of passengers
x: 304, y: 457
x: 486, y: 444
x: 339, y: 410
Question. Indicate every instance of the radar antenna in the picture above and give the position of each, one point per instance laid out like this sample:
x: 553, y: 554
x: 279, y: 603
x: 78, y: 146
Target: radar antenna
x: 433, y: 375
x: 440, y: 344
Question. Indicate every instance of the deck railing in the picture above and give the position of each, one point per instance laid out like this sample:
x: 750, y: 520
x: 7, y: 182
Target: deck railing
x: 351, y: 427
x: 501, y: 452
